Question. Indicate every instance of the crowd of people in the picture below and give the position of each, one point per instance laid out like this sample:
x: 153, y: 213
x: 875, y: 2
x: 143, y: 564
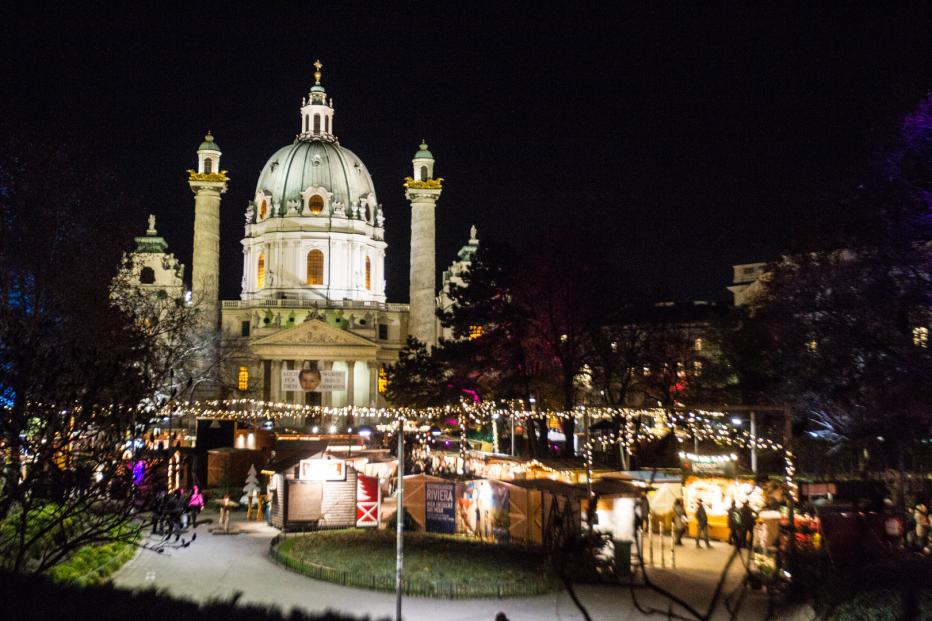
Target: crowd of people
x: 172, y: 512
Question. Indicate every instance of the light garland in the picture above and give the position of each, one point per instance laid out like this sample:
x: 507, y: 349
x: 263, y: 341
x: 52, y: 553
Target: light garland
x: 704, y: 425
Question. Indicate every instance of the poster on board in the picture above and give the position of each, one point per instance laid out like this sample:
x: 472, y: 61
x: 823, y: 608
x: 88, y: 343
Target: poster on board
x: 313, y: 380
x: 440, y: 508
x: 322, y: 470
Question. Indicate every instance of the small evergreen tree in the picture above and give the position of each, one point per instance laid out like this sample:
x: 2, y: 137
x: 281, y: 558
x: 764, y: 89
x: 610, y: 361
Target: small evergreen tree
x: 252, y: 486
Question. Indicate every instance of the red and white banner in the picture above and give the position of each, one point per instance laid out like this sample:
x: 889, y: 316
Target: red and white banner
x: 368, y: 499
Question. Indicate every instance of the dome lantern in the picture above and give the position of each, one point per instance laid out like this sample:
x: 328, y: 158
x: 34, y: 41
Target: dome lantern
x: 423, y: 163
x: 208, y: 156
x: 317, y: 111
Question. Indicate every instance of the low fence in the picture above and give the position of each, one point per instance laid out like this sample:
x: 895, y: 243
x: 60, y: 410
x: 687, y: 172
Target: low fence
x: 441, y: 589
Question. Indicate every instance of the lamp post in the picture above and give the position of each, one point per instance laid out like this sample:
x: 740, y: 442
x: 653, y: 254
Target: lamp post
x: 400, y: 520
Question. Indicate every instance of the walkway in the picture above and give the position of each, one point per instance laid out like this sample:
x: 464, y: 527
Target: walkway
x: 217, y: 566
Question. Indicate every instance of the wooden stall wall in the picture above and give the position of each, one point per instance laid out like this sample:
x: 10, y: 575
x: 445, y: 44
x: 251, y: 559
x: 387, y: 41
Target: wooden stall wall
x: 338, y: 507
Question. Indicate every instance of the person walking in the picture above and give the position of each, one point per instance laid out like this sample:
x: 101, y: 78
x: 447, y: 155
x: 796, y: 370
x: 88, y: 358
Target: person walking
x: 702, y: 525
x: 195, y: 505
x: 746, y: 525
x: 921, y: 516
x: 734, y: 525
x: 680, y: 521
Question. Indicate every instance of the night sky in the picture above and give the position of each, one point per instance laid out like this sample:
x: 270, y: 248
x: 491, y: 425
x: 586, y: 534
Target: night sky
x: 676, y: 141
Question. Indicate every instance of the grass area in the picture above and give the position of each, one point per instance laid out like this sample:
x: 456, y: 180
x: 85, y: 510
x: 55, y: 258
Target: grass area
x: 435, y: 565
x: 94, y: 564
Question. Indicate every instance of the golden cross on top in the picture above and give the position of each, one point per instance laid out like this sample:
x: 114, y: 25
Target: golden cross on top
x: 317, y: 65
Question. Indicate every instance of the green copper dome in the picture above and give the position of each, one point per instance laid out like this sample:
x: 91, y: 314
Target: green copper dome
x: 209, y: 144
x: 423, y: 153
x: 294, y: 168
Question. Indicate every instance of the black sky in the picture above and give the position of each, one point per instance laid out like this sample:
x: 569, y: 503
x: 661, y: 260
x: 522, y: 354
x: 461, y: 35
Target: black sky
x: 678, y: 140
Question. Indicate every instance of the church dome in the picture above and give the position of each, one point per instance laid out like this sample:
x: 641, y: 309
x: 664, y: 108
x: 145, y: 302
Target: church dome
x: 306, y: 163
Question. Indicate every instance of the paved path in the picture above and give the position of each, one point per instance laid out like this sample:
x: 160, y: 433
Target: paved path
x: 217, y: 566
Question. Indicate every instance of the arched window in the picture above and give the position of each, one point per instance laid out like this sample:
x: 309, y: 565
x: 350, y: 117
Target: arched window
x: 368, y: 213
x: 263, y: 210
x: 260, y: 272
x: 423, y: 173
x: 147, y: 276
x: 316, y: 123
x: 368, y: 274
x: 316, y: 204
x: 315, y: 267
x: 208, y: 165
x: 327, y: 124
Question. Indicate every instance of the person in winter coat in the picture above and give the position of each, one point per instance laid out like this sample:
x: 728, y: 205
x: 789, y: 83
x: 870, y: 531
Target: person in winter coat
x: 734, y: 525
x: 195, y: 505
x: 921, y: 516
x: 680, y: 521
x: 747, y: 525
x: 702, y: 525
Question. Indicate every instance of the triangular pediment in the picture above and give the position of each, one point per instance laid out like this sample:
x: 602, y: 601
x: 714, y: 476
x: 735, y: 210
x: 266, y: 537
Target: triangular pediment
x: 314, y: 332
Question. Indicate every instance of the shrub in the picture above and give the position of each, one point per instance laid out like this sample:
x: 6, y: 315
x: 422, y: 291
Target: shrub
x: 409, y: 525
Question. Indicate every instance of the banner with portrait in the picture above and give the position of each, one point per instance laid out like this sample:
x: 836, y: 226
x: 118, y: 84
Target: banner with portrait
x: 313, y: 380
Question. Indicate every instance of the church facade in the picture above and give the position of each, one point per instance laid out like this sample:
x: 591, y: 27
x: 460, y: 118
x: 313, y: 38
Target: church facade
x: 312, y: 302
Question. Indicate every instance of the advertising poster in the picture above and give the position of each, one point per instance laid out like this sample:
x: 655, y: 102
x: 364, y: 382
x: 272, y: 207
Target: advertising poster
x: 313, y: 380
x: 440, y: 508
x: 484, y: 509
x: 368, y: 498
x: 322, y: 470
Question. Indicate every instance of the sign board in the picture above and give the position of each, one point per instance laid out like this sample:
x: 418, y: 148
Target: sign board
x: 439, y: 508
x: 313, y: 380
x: 322, y: 470
x: 368, y: 499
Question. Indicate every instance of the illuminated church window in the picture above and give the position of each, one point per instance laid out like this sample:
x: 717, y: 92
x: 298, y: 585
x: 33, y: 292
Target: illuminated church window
x: 260, y: 272
x: 316, y: 204
x: 368, y: 274
x: 263, y: 210
x: 315, y: 267
x: 242, y: 379
x: 921, y: 336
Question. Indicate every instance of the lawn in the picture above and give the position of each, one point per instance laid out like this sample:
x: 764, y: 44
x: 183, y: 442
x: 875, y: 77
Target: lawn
x: 436, y: 565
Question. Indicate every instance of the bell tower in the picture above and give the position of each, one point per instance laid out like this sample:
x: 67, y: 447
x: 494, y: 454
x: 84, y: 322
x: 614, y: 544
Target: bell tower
x: 423, y: 191
x: 208, y: 182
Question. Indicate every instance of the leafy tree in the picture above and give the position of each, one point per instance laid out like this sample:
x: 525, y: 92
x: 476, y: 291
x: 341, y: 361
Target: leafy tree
x: 496, y: 351
x: 418, y: 379
x: 842, y: 330
x: 74, y: 368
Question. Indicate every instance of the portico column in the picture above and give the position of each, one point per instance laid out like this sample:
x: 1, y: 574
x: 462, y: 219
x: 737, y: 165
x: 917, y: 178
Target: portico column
x: 326, y: 398
x: 276, y: 391
x: 374, y: 383
x: 350, y: 376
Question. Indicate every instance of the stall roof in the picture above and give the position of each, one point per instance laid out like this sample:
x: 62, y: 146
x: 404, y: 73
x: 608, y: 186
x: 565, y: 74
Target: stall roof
x: 657, y: 476
x: 551, y: 486
x: 289, y: 454
x: 617, y: 488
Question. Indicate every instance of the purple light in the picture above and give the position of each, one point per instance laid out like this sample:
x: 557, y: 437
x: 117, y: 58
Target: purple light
x: 139, y: 472
x: 473, y: 394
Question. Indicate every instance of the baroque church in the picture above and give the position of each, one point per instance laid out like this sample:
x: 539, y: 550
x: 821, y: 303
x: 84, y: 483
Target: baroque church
x: 313, y: 281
